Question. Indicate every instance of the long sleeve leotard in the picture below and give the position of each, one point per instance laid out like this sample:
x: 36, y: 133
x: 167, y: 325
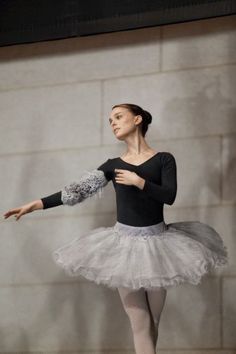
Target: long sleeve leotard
x: 135, y: 206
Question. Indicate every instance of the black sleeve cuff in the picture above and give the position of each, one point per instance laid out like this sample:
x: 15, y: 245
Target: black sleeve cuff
x: 52, y: 200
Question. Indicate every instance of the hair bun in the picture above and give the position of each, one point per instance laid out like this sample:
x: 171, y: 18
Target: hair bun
x: 148, y: 117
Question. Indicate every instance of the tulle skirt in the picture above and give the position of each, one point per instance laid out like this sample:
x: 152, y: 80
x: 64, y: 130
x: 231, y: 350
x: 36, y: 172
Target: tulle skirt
x: 149, y: 257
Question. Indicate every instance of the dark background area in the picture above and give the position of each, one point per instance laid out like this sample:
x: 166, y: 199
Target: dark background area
x: 25, y: 21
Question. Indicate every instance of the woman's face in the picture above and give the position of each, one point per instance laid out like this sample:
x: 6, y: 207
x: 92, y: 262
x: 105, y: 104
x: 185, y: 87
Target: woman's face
x: 123, y: 122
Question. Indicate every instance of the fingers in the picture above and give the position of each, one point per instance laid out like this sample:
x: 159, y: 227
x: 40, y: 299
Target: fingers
x: 119, y: 170
x: 119, y: 175
x: 119, y: 179
x: 12, y: 212
x: 18, y: 216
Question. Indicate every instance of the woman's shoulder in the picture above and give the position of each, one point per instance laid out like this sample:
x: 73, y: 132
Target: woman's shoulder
x: 167, y: 157
x: 167, y: 154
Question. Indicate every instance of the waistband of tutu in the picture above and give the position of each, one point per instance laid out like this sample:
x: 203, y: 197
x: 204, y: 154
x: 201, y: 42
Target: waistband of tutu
x: 140, y: 230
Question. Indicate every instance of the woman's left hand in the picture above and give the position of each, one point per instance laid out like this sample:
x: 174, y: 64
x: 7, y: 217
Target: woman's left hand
x: 126, y: 177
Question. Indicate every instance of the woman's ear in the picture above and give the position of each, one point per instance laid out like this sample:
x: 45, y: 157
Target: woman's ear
x: 138, y: 119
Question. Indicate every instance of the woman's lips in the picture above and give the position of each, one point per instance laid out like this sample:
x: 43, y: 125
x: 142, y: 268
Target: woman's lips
x: 116, y: 130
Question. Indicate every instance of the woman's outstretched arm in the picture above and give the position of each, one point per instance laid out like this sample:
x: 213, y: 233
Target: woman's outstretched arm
x: 75, y: 192
x: 88, y: 184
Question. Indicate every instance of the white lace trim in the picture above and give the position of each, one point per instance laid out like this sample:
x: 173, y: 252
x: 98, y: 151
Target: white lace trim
x: 113, y: 281
x: 140, y: 233
x: 90, y: 183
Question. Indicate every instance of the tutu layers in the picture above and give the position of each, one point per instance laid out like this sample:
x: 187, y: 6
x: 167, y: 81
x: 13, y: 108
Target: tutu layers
x: 150, y: 257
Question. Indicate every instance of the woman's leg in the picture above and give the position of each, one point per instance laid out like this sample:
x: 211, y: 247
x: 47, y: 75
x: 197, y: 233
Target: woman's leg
x: 136, y: 307
x: 156, y: 300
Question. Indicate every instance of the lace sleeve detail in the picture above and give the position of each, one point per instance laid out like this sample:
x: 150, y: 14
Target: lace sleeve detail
x: 89, y: 184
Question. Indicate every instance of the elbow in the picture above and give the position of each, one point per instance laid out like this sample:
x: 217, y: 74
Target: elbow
x: 171, y: 197
x: 70, y: 198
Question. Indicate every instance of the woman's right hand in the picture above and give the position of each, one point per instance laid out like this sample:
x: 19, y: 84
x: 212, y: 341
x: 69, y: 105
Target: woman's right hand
x: 24, y: 209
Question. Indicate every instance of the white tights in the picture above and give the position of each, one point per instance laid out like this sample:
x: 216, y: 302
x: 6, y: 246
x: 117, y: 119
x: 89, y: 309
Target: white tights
x: 143, y: 308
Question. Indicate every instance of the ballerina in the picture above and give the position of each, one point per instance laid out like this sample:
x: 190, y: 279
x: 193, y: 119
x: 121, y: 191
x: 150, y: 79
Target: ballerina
x: 140, y: 255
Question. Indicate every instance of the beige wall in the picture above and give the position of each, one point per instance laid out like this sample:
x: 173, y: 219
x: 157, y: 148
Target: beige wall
x: 55, y: 99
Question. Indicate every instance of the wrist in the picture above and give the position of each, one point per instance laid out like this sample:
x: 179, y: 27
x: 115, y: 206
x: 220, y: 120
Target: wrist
x: 140, y: 182
x: 37, y: 204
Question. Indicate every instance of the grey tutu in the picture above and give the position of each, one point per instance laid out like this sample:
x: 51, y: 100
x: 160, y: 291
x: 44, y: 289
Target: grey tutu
x: 149, y: 257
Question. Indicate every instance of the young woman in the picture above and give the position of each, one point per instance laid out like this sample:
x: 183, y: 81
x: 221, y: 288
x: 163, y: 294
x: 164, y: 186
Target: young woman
x: 140, y: 255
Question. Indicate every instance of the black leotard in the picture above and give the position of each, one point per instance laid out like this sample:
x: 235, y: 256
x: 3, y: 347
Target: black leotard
x: 138, y: 207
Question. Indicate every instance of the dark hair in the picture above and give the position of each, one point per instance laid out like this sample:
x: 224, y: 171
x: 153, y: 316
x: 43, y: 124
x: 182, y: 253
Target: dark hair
x: 137, y: 110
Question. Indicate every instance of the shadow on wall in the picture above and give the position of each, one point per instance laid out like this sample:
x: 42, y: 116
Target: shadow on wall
x: 79, y: 45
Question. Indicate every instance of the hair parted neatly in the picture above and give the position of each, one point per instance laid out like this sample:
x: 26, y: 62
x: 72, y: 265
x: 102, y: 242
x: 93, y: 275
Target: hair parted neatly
x: 137, y: 110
